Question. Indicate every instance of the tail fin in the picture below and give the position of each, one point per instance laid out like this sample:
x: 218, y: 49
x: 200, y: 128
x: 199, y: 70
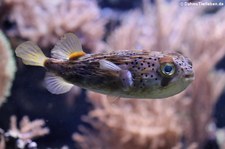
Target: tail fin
x: 31, y: 54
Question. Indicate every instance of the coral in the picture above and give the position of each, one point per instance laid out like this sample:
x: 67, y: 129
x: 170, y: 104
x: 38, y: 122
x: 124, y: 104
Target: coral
x: 44, y: 21
x: 7, y: 67
x: 217, y: 134
x: 166, y: 26
x: 130, y: 125
x: 27, y: 131
x: 2, y: 139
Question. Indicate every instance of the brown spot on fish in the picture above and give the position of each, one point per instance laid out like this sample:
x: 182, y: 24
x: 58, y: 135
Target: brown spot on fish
x: 166, y: 59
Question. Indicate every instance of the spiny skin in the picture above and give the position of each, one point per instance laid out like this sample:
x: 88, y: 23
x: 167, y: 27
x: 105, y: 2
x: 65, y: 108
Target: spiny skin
x: 144, y: 66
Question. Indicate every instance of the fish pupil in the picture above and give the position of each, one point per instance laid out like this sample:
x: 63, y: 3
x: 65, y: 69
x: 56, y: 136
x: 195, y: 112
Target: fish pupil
x: 168, y: 69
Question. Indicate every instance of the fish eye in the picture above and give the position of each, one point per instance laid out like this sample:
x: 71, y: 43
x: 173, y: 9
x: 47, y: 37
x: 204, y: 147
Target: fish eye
x: 167, y: 69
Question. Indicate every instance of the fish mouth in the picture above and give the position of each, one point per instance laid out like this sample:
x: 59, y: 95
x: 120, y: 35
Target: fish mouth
x: 189, y: 77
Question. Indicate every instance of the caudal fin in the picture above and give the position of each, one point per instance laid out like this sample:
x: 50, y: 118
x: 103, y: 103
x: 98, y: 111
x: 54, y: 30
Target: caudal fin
x: 31, y: 54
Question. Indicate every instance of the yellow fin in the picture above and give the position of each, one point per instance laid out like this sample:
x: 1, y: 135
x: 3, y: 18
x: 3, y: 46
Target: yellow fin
x: 67, y: 45
x: 31, y: 54
x: 76, y: 55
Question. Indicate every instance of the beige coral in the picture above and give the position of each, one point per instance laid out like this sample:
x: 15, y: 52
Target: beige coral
x: 45, y: 21
x: 28, y: 130
x: 2, y: 139
x: 130, y: 124
x: 7, y: 67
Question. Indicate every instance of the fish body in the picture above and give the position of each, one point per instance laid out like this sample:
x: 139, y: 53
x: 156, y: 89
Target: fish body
x: 126, y: 73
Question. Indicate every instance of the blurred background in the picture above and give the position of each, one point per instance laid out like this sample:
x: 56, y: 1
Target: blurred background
x: 31, y: 117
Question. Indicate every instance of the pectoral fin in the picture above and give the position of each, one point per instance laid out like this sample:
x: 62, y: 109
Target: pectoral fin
x: 124, y: 75
x: 107, y: 65
x: 126, y: 78
x: 56, y: 85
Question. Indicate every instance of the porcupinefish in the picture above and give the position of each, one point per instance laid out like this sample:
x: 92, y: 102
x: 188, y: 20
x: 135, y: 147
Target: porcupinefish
x: 125, y: 73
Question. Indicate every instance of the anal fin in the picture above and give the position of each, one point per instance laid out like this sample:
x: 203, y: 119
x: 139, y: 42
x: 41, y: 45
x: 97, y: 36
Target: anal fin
x: 113, y: 99
x: 56, y: 85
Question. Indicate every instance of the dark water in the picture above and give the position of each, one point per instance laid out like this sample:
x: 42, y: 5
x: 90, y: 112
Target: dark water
x: 29, y: 98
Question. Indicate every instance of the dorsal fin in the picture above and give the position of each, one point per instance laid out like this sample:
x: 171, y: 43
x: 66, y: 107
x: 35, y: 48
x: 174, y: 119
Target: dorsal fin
x: 76, y: 55
x: 56, y: 85
x: 69, y: 47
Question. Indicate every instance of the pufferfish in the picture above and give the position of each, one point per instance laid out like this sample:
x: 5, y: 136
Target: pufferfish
x: 125, y: 73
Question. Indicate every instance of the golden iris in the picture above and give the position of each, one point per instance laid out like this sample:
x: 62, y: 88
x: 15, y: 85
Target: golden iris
x: 167, y: 69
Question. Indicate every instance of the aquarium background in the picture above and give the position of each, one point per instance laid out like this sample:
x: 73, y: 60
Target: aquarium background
x: 31, y: 117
